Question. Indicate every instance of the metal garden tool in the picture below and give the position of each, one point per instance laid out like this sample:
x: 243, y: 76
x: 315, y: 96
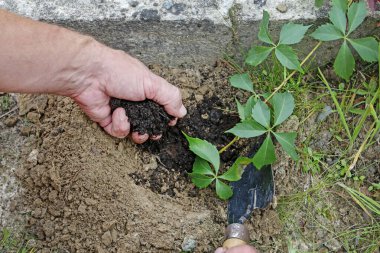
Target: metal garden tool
x: 254, y: 190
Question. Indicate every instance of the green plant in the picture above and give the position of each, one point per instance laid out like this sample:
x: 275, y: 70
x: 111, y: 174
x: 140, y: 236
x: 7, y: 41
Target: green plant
x: 318, y: 3
x: 340, y: 29
x: 312, y: 160
x: 207, y: 165
x: 374, y: 187
x: 5, y: 102
x: 290, y: 34
x: 257, y: 118
x: 366, y: 203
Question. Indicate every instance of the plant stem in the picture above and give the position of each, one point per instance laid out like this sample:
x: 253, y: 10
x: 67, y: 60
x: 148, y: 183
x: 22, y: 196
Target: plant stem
x: 369, y: 110
x: 337, y: 105
x: 294, y: 71
x: 362, y: 147
x: 229, y: 144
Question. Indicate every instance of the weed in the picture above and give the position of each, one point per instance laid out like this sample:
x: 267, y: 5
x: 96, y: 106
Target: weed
x: 5, y: 102
x: 369, y: 205
x: 8, y: 243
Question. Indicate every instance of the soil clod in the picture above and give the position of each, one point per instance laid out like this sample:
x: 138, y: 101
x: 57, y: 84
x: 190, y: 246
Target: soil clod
x: 146, y: 117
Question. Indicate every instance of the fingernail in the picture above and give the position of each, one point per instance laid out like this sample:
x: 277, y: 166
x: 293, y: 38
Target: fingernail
x: 182, y: 111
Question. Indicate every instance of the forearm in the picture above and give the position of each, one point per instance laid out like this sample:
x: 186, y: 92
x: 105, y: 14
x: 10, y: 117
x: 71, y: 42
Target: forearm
x: 42, y: 58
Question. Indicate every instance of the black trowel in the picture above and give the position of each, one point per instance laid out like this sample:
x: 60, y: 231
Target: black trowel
x: 254, y: 190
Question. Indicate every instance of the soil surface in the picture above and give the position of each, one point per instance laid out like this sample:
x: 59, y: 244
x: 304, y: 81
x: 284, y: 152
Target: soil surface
x: 84, y: 191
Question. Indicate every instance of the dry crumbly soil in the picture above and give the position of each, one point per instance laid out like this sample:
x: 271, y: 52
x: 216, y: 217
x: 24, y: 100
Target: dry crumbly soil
x: 84, y: 191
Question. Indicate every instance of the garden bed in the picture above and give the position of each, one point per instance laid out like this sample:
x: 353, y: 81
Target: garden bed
x: 84, y: 191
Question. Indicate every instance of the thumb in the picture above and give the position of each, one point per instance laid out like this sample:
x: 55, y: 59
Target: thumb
x: 160, y: 91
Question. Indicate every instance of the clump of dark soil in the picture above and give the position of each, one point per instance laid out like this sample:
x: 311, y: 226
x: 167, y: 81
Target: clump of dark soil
x: 207, y: 121
x: 146, y: 117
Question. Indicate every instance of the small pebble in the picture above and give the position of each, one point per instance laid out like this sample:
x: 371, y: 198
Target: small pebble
x: 282, y: 8
x: 204, y: 116
x: 189, y: 244
x: 11, y: 121
x: 325, y: 112
x: 32, y: 157
x: 167, y: 4
x: 107, y: 238
x: 134, y: 3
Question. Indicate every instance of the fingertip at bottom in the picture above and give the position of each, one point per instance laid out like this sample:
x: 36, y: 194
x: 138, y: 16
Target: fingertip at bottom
x: 156, y: 137
x: 219, y: 250
x: 139, y: 138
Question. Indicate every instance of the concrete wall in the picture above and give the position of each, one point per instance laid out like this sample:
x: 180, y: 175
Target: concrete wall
x: 176, y: 32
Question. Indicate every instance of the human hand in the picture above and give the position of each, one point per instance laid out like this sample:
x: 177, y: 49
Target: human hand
x: 238, y: 249
x: 122, y: 76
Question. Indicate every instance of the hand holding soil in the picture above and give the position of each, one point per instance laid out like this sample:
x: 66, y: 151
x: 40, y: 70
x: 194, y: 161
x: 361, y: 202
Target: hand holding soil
x: 55, y: 60
x: 126, y: 78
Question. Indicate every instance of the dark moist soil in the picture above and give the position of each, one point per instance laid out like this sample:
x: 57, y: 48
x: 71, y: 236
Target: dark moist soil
x: 206, y: 121
x: 146, y: 117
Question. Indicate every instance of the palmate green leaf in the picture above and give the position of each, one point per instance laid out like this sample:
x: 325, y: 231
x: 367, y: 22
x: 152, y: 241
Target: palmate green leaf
x: 247, y: 129
x: 201, y: 166
x: 338, y: 18
x: 252, y: 100
x: 286, y: 141
x: 261, y: 114
x: 283, y: 106
x: 288, y: 57
x: 265, y: 155
x: 222, y: 190
x: 236, y: 170
x: 241, y: 81
x: 344, y: 62
x: 257, y: 55
x: 201, y: 181
x: 241, y: 109
x: 341, y: 4
x: 263, y: 32
x: 356, y: 14
x: 327, y: 32
x: 366, y: 48
x: 204, y: 150
x: 292, y: 33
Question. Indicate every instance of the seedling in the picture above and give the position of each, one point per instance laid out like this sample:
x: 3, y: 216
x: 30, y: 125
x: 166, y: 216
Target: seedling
x: 257, y: 119
x: 340, y: 29
x: 207, y: 164
x: 290, y: 34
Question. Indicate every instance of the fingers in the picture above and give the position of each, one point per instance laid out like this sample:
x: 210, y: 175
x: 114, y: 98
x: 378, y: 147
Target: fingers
x: 165, y: 94
x: 173, y: 122
x: 119, y: 126
x: 139, y: 138
x: 220, y: 250
x: 155, y: 137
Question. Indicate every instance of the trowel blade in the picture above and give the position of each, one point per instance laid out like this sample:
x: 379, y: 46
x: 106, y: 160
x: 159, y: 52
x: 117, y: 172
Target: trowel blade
x: 254, y: 190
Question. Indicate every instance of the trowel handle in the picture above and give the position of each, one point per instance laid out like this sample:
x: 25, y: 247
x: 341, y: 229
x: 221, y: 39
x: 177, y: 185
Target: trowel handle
x: 236, y: 235
x: 233, y: 242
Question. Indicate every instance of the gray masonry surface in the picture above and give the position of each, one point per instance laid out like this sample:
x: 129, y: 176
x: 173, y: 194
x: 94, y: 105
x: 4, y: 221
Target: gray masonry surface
x: 176, y: 32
